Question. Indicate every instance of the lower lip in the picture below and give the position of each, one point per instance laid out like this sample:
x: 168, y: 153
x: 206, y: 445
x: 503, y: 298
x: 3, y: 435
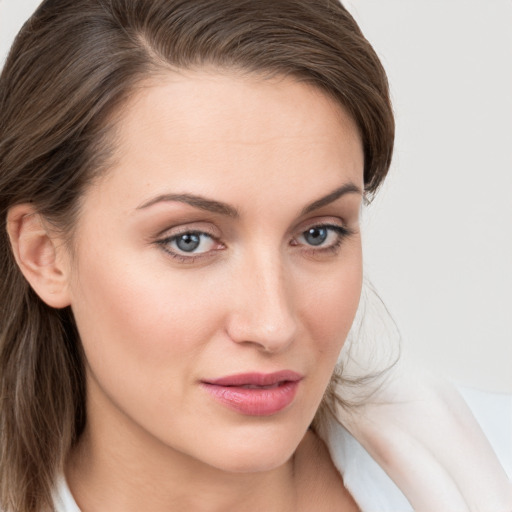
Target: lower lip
x: 254, y: 402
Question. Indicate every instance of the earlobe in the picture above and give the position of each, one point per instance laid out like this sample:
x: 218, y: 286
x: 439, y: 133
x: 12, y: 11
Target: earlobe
x: 38, y: 255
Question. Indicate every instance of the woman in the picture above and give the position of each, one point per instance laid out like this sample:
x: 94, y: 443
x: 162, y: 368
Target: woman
x: 181, y: 185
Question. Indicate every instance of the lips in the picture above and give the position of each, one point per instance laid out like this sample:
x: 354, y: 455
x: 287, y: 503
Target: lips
x: 255, y: 394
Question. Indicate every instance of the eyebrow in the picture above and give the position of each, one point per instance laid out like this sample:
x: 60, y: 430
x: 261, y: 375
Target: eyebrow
x: 200, y: 202
x: 348, y: 188
x: 225, y: 209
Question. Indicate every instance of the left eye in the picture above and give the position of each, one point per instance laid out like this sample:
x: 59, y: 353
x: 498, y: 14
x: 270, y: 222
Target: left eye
x: 322, y: 236
x: 191, y: 242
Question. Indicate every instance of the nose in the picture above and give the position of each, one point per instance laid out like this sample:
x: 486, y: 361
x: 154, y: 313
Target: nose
x: 262, y: 311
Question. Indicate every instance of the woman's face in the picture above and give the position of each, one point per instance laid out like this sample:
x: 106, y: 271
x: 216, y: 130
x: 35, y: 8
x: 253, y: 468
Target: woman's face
x: 217, y: 268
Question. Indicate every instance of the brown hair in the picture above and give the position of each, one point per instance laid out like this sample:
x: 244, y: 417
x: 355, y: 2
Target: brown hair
x: 70, y: 68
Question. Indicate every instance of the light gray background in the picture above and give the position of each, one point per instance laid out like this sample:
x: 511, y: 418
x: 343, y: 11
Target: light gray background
x: 438, y: 238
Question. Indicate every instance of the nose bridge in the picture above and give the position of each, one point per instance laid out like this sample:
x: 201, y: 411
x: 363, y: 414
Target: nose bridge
x: 264, y: 311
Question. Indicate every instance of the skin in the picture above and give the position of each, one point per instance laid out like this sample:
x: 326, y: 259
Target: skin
x: 255, y: 297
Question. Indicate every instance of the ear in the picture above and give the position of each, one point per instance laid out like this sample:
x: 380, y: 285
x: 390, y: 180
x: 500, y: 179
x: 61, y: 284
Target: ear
x: 40, y: 256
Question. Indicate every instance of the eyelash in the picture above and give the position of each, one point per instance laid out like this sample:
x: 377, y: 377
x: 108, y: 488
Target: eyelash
x: 341, y: 232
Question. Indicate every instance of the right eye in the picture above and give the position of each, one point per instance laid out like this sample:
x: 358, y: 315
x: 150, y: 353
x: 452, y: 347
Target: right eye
x: 188, y: 244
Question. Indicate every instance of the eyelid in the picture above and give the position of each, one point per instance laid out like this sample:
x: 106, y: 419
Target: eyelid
x: 320, y: 220
x: 192, y: 227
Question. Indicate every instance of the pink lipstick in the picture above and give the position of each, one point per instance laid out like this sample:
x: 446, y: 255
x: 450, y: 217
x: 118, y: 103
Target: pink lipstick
x: 255, y: 394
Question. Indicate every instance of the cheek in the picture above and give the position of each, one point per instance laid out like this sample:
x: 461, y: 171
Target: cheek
x: 143, y: 337
x: 330, y: 305
x: 132, y: 317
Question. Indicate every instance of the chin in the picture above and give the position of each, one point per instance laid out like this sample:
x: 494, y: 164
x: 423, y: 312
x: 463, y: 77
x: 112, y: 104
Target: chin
x: 253, y: 453
x: 254, y: 463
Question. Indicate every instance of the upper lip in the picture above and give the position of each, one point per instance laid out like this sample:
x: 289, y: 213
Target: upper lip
x: 256, y: 379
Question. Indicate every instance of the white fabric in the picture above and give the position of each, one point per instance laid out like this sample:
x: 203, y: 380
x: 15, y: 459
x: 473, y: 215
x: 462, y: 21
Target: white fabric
x: 370, y: 486
x: 366, y: 481
x: 63, y: 501
x: 373, y: 489
x: 493, y: 412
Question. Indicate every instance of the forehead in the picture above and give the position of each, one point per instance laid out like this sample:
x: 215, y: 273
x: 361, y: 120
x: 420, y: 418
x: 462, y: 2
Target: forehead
x: 200, y: 128
x: 225, y: 91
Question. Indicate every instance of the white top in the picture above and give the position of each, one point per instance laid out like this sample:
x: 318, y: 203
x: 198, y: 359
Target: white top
x: 372, y: 489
